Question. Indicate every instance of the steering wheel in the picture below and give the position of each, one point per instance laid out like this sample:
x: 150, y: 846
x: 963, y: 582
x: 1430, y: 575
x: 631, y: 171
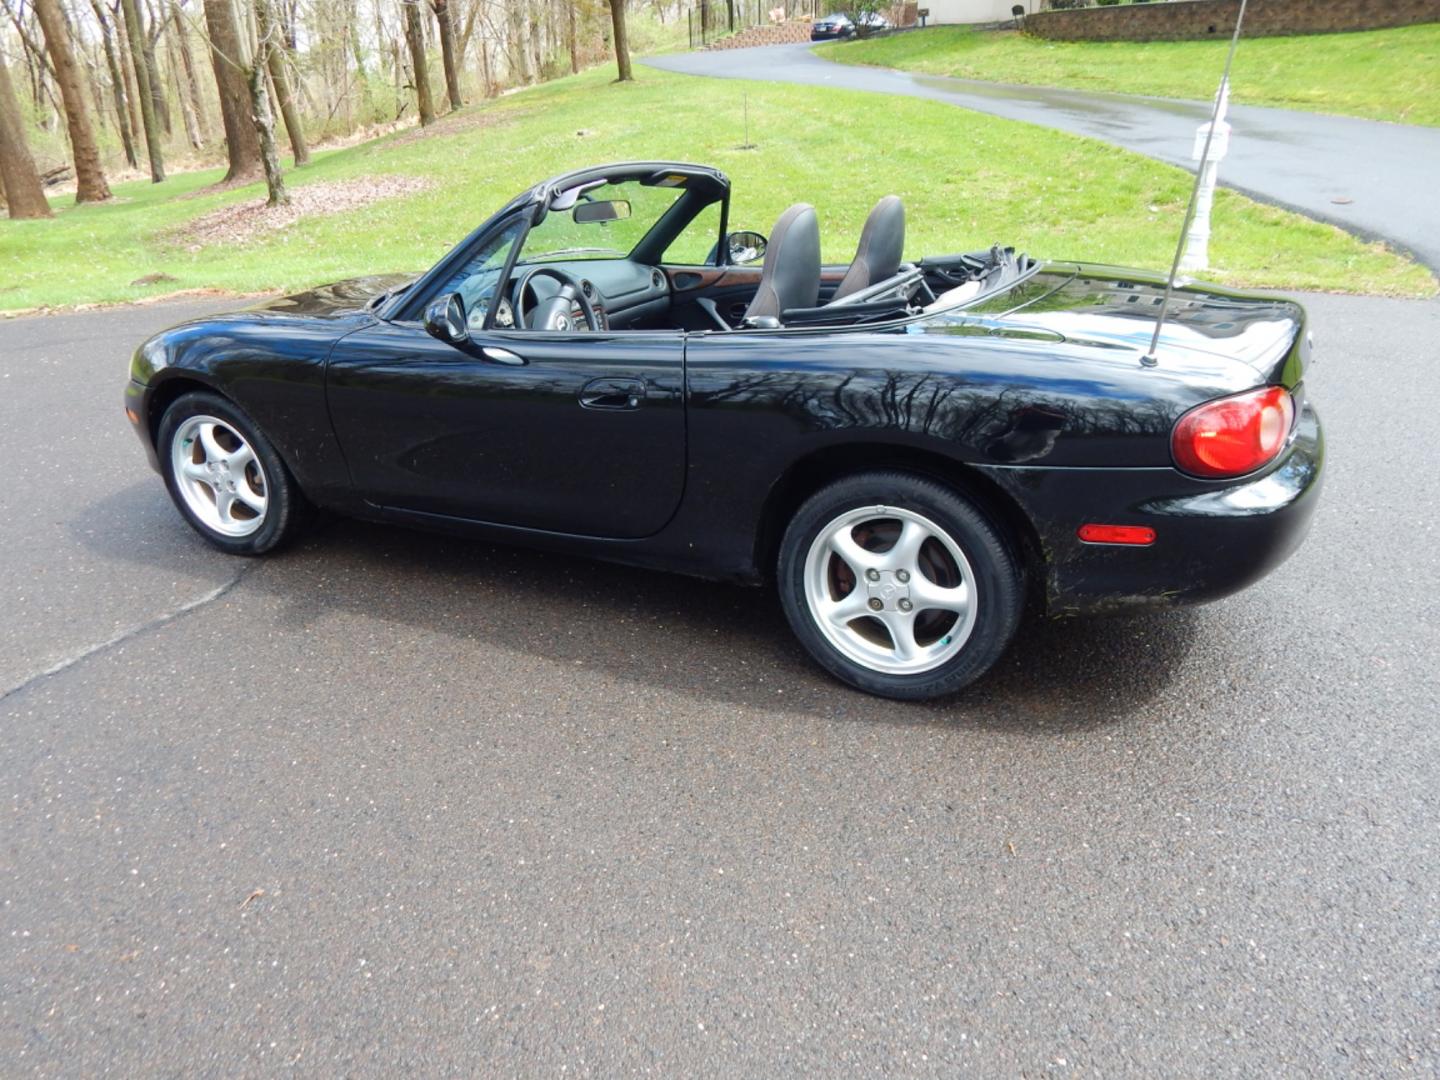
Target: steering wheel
x: 556, y: 313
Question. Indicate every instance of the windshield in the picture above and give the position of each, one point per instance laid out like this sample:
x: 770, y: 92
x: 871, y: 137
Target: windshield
x: 605, y: 222
x: 474, y: 279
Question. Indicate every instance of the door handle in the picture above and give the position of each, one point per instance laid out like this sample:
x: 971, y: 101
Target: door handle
x: 612, y: 394
x: 501, y: 356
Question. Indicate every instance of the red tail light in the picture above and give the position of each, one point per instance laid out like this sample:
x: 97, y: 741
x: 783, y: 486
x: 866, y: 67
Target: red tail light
x: 1235, y: 435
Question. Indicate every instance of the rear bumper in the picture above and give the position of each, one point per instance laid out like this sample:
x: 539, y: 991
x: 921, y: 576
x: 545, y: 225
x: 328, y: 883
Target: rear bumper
x: 1210, y: 541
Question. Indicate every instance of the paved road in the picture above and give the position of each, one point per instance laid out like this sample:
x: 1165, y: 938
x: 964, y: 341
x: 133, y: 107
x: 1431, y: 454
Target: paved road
x: 1304, y: 161
x: 517, y: 815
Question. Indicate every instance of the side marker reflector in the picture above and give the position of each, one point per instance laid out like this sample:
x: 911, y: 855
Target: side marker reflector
x: 1134, y: 535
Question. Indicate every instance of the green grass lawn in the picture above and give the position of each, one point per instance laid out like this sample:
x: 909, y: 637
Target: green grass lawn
x: 1379, y: 74
x: 968, y: 180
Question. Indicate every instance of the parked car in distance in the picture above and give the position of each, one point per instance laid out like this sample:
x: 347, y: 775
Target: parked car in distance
x: 832, y: 27
x: 839, y: 26
x: 912, y: 453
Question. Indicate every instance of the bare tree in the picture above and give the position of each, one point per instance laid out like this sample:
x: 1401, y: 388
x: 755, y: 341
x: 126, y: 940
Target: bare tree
x: 90, y: 185
x: 144, y: 73
x: 573, y: 38
x: 148, y: 37
x: 181, y: 32
x: 622, y: 40
x: 242, y: 144
x: 24, y: 195
x: 269, y: 30
x: 415, y: 38
x: 117, y: 85
x: 448, y: 52
x: 264, y: 117
x: 519, y: 55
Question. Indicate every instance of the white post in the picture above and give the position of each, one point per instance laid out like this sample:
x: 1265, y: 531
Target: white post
x: 1197, y: 240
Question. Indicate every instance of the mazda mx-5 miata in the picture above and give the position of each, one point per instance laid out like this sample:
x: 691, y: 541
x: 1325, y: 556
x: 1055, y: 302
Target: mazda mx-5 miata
x: 911, y: 451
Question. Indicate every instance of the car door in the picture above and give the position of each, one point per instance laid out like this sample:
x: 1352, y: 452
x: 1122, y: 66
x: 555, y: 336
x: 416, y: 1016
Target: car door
x: 580, y: 433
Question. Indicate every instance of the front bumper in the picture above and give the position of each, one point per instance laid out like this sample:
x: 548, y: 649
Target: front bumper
x: 137, y: 405
x: 1210, y: 541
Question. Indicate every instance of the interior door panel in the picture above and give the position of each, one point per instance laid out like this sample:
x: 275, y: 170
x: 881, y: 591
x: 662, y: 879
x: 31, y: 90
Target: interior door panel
x: 729, y: 287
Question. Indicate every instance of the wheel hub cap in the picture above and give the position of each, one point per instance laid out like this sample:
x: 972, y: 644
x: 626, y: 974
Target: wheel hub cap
x: 889, y: 590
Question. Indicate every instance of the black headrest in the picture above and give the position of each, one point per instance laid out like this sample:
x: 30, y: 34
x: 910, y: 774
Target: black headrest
x: 882, y: 242
x: 790, y: 277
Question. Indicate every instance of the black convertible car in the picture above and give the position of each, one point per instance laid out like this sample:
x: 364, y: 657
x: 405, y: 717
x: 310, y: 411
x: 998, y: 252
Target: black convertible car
x: 911, y: 451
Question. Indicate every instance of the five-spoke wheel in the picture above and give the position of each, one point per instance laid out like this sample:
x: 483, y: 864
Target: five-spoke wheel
x: 899, y: 585
x: 218, y: 475
x: 890, y: 589
x: 225, y: 477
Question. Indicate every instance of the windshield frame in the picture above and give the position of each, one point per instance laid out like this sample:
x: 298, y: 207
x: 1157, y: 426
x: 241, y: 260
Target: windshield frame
x: 706, y: 183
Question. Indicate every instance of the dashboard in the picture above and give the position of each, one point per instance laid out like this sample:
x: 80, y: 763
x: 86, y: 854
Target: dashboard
x: 623, y: 293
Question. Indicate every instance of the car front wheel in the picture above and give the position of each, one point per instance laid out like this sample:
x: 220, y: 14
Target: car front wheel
x: 225, y: 477
x: 898, y: 585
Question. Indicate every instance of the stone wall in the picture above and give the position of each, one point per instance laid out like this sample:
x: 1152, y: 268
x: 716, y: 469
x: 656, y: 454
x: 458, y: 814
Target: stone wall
x: 1187, y: 20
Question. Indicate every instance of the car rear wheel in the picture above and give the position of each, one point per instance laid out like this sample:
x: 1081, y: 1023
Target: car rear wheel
x: 899, y: 585
x: 225, y: 477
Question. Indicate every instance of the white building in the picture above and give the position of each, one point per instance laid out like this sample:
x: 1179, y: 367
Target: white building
x: 974, y: 11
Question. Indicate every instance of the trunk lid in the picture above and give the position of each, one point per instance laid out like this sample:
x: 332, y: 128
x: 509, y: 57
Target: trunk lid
x: 1111, y: 307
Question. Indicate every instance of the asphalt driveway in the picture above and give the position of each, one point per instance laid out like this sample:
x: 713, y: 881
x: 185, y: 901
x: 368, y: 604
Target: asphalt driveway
x: 394, y: 802
x: 1374, y: 179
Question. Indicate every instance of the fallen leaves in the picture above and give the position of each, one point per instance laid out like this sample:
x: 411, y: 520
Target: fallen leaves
x: 242, y: 222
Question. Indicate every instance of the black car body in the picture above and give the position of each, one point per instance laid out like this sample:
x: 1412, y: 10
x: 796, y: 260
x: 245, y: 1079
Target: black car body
x: 668, y: 438
x: 832, y: 28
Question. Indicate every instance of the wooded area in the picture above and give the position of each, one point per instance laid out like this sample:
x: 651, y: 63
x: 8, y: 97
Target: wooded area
x: 91, y: 89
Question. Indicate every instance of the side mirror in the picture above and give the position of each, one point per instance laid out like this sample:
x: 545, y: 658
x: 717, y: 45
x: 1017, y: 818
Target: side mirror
x: 745, y: 247
x: 445, y: 319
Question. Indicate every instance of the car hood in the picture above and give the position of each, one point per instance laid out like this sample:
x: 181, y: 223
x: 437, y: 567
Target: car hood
x: 1110, y: 307
x: 336, y: 300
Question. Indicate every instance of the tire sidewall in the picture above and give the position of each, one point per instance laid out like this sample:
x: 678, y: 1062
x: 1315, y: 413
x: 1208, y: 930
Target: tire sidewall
x: 282, y: 495
x: 993, y: 561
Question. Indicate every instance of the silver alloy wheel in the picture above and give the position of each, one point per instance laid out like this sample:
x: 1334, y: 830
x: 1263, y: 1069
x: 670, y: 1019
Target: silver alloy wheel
x: 890, y: 589
x: 219, y: 476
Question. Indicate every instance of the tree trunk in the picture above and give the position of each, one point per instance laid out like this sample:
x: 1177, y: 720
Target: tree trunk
x: 24, y: 194
x: 415, y: 37
x: 180, y: 34
x: 574, y: 41
x: 187, y: 105
x: 242, y: 144
x: 537, y: 54
x: 122, y: 49
x: 144, y: 74
x: 90, y: 185
x: 622, y: 40
x: 270, y: 41
x: 264, y: 121
x: 157, y: 85
x: 516, y: 46
x: 117, y: 83
x: 447, y: 52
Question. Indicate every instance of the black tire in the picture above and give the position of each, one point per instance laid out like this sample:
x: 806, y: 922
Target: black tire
x: 286, y: 511
x: 995, y: 584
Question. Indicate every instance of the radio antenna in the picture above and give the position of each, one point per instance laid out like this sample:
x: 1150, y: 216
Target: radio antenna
x: 1150, y: 359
